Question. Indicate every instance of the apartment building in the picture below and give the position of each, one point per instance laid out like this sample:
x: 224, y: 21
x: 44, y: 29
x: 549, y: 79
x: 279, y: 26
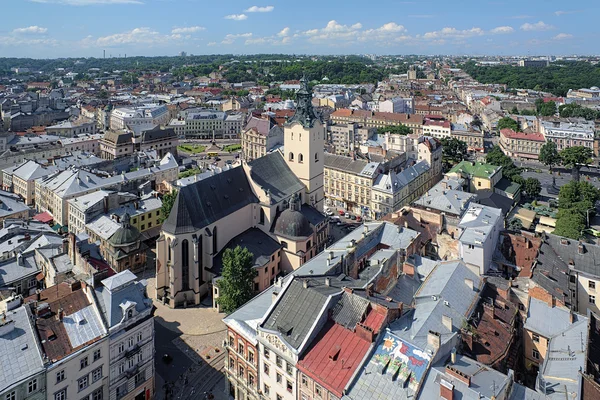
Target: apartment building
x: 437, y: 128
x: 81, y: 126
x: 371, y: 119
x: 569, y: 133
x: 479, y: 176
x: 115, y: 144
x: 521, y: 145
x: 479, y: 228
x: 138, y: 118
x: 87, y: 143
x: 21, y: 178
x: 473, y: 138
x: 260, y: 135
x: 208, y: 124
x: 347, y: 137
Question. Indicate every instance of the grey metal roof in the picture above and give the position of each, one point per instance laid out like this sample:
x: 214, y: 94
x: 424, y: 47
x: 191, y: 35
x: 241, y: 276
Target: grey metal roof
x: 11, y: 271
x: 20, y: 356
x: 312, y: 214
x: 10, y: 206
x: 551, y: 272
x: 584, y: 259
x: 297, y: 309
x: 272, y: 173
x: 209, y: 200
x: 260, y: 244
x: 157, y: 133
x: 445, y: 200
x: 350, y: 310
x: 478, y: 222
x: 83, y: 326
x: 547, y: 321
x: 344, y: 164
x: 492, y: 199
x: 118, y: 291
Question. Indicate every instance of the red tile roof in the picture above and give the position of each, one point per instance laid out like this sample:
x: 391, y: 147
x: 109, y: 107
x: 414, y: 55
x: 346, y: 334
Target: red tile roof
x: 510, y: 134
x: 374, y: 321
x: 520, y: 250
x: 336, y: 354
x: 43, y: 217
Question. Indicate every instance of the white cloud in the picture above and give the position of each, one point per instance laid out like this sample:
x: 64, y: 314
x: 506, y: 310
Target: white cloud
x: 385, y: 34
x: 559, y: 13
x: 88, y: 2
x: 212, y: 44
x: 257, y: 9
x: 141, y: 35
x: 237, y: 17
x: 563, y: 36
x: 453, y: 33
x: 538, y: 26
x: 33, y: 29
x: 230, y: 38
x: 188, y: 29
x: 333, y: 31
x: 284, y: 32
x: 502, y: 30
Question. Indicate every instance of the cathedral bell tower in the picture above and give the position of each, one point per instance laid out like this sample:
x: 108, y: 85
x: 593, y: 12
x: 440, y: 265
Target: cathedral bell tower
x: 304, y: 144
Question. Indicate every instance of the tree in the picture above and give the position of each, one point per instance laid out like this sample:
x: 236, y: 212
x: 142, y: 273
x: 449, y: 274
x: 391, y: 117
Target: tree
x: 569, y: 224
x: 395, y: 129
x: 545, y: 109
x: 549, y: 156
x: 515, y: 224
x: 508, y: 123
x: 533, y: 187
x: 453, y: 151
x: 578, y: 196
x: 103, y: 94
x: 509, y: 169
x: 237, y: 284
x: 575, y: 157
x: 168, y: 201
x: 476, y: 123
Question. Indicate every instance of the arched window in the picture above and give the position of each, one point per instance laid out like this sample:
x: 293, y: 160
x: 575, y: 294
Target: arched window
x: 316, y: 156
x: 262, y: 217
x: 200, y: 260
x: 168, y: 249
x: 300, y: 157
x: 299, y: 137
x: 291, y: 156
x: 215, y: 240
x: 185, y: 265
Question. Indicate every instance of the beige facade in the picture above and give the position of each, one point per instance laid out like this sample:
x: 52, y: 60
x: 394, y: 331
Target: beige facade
x: 473, y: 139
x: 521, y: 145
x: 349, y: 188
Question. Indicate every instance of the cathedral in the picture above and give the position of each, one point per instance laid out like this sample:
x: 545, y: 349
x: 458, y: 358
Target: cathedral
x: 271, y: 205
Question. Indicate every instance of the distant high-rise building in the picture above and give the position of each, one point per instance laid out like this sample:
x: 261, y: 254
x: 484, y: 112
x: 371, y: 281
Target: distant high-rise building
x: 183, y: 54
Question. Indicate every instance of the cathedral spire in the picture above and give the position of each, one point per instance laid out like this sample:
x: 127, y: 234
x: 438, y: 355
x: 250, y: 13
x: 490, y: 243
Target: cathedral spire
x: 305, y: 113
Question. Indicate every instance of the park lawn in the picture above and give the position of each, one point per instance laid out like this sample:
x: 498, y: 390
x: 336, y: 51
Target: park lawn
x: 232, y: 147
x: 191, y: 148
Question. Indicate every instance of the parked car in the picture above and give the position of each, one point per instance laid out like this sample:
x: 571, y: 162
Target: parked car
x: 341, y: 212
x: 353, y: 217
x: 347, y: 215
x: 335, y: 218
x: 328, y: 212
x: 358, y: 218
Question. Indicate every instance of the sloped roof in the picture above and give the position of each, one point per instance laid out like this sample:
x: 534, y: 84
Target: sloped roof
x: 260, y: 244
x: 204, y: 202
x: 272, y: 173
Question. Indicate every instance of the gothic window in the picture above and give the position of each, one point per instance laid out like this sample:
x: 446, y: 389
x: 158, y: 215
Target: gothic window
x: 214, y: 249
x: 169, y: 250
x: 200, y: 260
x: 185, y: 265
x: 291, y: 156
x: 300, y: 158
x: 262, y: 217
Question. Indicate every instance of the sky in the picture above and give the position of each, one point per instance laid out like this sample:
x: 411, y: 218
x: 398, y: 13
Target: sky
x: 84, y: 28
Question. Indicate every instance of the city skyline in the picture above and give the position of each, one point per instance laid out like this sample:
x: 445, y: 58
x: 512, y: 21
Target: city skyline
x: 85, y: 28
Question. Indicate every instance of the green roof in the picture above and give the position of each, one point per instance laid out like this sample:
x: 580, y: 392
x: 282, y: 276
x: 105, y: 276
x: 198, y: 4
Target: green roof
x: 478, y: 170
x: 507, y: 186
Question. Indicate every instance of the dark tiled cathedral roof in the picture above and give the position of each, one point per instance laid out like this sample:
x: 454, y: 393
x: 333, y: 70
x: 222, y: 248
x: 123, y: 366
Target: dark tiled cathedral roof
x: 272, y: 173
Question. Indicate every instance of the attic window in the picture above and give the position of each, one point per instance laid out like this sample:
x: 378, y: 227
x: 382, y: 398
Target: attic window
x: 334, y: 353
x: 130, y: 313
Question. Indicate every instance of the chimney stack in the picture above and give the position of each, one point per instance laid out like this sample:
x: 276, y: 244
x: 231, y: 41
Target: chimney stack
x: 446, y: 390
x: 60, y: 314
x: 327, y: 281
x: 447, y: 322
x: 469, y: 283
x: 434, y: 339
x: 305, y: 283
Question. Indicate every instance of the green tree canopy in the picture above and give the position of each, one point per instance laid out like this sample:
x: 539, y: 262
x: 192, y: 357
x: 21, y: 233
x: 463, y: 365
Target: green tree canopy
x: 549, y: 154
x: 236, y: 286
x: 397, y: 130
x: 508, y: 123
x: 578, y: 111
x: 168, y: 201
x: 515, y: 224
x: 533, y: 187
x: 579, y: 196
x: 575, y: 157
x: 453, y: 151
x: 569, y: 224
x: 497, y: 157
x: 545, y: 109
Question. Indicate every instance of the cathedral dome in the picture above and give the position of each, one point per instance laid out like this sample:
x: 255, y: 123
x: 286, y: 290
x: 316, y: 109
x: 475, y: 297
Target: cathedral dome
x: 126, y: 234
x: 292, y: 223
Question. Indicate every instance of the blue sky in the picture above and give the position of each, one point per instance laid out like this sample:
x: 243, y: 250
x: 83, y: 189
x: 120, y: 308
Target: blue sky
x: 76, y: 28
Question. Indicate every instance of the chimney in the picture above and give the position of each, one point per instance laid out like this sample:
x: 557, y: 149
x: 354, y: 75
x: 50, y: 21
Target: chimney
x: 447, y: 322
x: 434, y: 339
x: 327, y: 281
x: 6, y: 325
x: 20, y: 259
x: 364, y: 332
x: 469, y: 283
x: 453, y: 356
x: 581, y: 248
x: 456, y: 373
x: 446, y: 390
x: 60, y: 314
x: 571, y: 317
x: 274, y: 297
x: 305, y: 284
x: 488, y: 309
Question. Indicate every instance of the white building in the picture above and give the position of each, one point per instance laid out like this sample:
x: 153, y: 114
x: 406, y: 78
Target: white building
x: 479, y: 229
x: 139, y: 118
x: 574, y: 132
x: 207, y: 124
x: 403, y: 105
x: 82, y: 126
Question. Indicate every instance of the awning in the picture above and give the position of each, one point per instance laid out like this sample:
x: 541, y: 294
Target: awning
x: 44, y: 217
x: 59, y: 228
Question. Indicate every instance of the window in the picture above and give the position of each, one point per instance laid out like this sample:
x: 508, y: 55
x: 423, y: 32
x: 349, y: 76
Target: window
x: 289, y: 386
x: 121, y: 390
x: 592, y: 285
x: 251, y: 356
x: 304, y: 380
x: 83, y: 383
x: 251, y: 380
x: 97, y: 394
x: 318, y: 391
x: 97, y: 355
x: 139, y: 337
x: 143, y: 227
x: 130, y: 315
x: 288, y: 368
x: 241, y: 371
x: 60, y: 376
x: 215, y: 248
x: 267, y: 353
x: 279, y: 397
x: 121, y: 368
x: 278, y: 361
x: 279, y: 378
x: 536, y: 354
x: 140, y: 378
x: 241, y: 349
x: 316, y: 156
x: 300, y: 158
x: 266, y: 368
x: 266, y: 389
x: 130, y: 342
x: 32, y: 386
x: 149, y: 224
x: 284, y: 244
x: 231, y: 341
x: 61, y: 395
x: 121, y: 347
x: 262, y: 217
x: 97, y: 374
x: 572, y: 278
x: 592, y: 299
x: 83, y: 362
x: 291, y: 157
x: 11, y: 395
x: 185, y: 265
